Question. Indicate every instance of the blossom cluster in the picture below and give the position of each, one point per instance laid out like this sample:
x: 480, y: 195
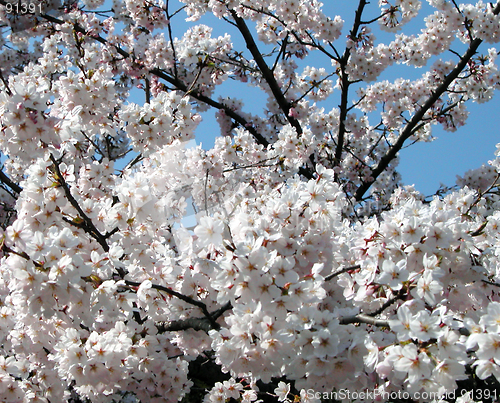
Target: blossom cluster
x: 308, y: 265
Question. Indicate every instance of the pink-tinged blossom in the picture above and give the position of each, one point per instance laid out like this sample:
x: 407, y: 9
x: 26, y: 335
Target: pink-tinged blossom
x: 424, y: 326
x: 249, y: 396
x: 325, y: 343
x: 282, y: 391
x: 416, y: 364
x: 401, y: 325
x: 393, y: 275
x: 491, y: 321
x: 489, y: 347
x: 428, y: 288
x: 209, y: 231
x: 17, y: 234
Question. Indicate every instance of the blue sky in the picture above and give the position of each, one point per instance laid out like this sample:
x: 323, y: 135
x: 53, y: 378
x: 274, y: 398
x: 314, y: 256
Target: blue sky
x: 426, y: 165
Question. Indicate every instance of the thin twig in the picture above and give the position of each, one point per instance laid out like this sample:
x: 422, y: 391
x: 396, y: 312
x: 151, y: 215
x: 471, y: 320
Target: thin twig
x: 344, y: 270
x: 182, y: 297
x: 491, y: 283
x: 481, y: 194
x: 169, y: 29
x: 316, y: 84
x: 137, y: 159
x: 345, y: 83
x: 399, y: 295
x: 191, y: 87
x: 93, y: 143
x: 389, y: 11
x: 5, y: 83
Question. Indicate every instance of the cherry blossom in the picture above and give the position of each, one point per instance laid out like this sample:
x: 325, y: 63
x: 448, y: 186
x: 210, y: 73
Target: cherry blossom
x: 285, y: 262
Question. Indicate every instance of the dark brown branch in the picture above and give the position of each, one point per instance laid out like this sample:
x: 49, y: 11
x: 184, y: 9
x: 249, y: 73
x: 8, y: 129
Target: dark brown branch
x: 281, y: 53
x: 361, y: 318
x: 147, y: 90
x: 344, y: 270
x: 185, y: 324
x: 482, y: 193
x: 318, y: 46
x: 87, y: 225
x: 399, y: 295
x: 389, y: 11
x: 272, y: 83
x: 193, y: 323
x: 229, y: 112
x: 412, y: 124
x: 345, y: 83
x: 491, y: 283
x: 298, y: 39
x: 480, y: 230
x: 136, y: 160
x: 266, y: 71
x: 209, y: 101
x: 8, y: 250
x: 108, y: 234
x: 5, y: 83
x: 96, y: 146
x: 219, y: 312
x: 315, y: 84
x: 14, y: 186
x: 170, y: 36
x: 182, y: 297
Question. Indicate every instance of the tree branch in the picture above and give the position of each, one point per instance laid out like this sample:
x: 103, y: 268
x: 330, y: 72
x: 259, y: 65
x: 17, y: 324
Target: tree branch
x: 185, y: 324
x: 266, y: 71
x: 5, y: 83
x: 182, y: 297
x: 194, y: 323
x: 399, y: 295
x: 369, y: 318
x: 5, y: 179
x: 345, y: 83
x: 170, y: 36
x: 87, y: 225
x: 344, y: 270
x: 361, y: 318
x: 491, y: 283
x: 482, y: 193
